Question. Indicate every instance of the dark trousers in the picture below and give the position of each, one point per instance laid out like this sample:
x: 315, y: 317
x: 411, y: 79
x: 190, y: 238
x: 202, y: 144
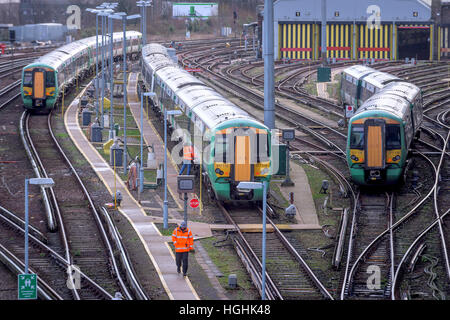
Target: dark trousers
x: 182, y: 258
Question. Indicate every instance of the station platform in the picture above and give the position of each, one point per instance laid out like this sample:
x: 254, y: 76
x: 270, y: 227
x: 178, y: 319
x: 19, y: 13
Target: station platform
x: 303, y: 200
x: 161, y: 255
x: 151, y: 137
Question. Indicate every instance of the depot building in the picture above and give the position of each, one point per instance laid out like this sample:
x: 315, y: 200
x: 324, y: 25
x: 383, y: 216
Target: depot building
x: 358, y: 29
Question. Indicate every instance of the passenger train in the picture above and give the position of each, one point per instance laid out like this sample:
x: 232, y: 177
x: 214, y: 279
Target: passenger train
x: 235, y: 146
x: 45, y: 78
x: 388, y: 117
x: 359, y: 83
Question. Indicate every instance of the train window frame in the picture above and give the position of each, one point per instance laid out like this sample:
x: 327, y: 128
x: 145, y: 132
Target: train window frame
x: 361, y: 144
x: 52, y: 82
x: 30, y: 82
x: 398, y: 144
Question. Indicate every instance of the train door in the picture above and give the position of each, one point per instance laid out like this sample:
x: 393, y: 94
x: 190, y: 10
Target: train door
x: 375, y: 146
x: 38, y: 84
x: 242, y: 165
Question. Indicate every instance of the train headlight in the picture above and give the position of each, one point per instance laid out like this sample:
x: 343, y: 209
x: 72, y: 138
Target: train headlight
x: 396, y: 158
x: 219, y: 172
x: 354, y: 158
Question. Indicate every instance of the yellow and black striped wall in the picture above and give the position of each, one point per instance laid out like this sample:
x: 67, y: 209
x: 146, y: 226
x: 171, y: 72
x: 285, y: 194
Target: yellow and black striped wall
x: 345, y: 41
x: 298, y: 41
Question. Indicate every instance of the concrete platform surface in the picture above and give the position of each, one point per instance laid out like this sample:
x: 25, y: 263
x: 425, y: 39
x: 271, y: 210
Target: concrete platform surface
x: 303, y: 200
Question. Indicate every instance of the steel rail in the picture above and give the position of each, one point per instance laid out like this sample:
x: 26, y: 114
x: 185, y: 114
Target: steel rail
x: 51, y: 223
x: 271, y: 290
x: 131, y: 275
x: 94, y: 211
x: 15, y: 265
x: 299, y: 258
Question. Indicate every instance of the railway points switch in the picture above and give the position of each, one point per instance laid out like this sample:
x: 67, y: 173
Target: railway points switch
x: 232, y: 281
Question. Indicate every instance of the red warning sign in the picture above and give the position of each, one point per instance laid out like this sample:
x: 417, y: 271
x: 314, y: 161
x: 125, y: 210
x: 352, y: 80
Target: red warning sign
x: 194, y: 203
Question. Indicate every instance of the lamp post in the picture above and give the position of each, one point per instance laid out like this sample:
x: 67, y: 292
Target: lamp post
x: 99, y: 10
x: 111, y: 70
x: 124, y: 19
x: 166, y: 203
x: 45, y: 183
x: 144, y: 4
x: 141, y: 169
x: 268, y: 52
x: 107, y: 9
x: 254, y: 186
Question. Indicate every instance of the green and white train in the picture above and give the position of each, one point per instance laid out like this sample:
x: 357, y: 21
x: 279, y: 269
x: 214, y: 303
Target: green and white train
x: 44, y: 79
x: 229, y: 144
x: 388, y: 116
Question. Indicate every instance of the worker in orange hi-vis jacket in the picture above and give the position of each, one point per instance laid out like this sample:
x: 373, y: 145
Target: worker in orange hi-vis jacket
x: 184, y: 242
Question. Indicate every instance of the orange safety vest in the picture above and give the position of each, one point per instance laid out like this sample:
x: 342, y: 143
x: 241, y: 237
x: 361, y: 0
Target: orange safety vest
x: 188, y: 152
x: 183, y: 241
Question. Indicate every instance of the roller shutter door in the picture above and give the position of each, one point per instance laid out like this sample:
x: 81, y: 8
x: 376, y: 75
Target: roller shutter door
x: 375, y: 43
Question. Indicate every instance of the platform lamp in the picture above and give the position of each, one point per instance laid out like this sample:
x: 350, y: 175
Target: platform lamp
x: 43, y: 183
x: 111, y: 70
x: 287, y: 135
x: 97, y: 12
x: 108, y: 8
x: 144, y: 4
x: 256, y: 186
x: 166, y: 203
x: 124, y: 19
x: 104, y: 15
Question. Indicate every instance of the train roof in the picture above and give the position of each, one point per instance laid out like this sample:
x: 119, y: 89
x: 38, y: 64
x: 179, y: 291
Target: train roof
x: 379, y: 79
x: 406, y: 90
x: 196, y: 97
x: 58, y: 57
x: 358, y: 71
x: 386, y: 102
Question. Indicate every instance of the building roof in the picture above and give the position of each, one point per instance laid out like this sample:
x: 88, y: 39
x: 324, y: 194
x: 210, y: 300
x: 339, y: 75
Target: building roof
x: 408, y: 11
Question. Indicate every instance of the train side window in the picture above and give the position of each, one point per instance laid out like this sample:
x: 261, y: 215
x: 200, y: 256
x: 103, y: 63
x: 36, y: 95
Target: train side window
x: 49, y: 78
x: 28, y: 78
x: 357, y: 137
x: 393, y: 137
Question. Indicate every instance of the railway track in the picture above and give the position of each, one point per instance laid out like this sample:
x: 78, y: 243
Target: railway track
x: 374, y: 215
x: 288, y: 275
x: 80, y: 225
